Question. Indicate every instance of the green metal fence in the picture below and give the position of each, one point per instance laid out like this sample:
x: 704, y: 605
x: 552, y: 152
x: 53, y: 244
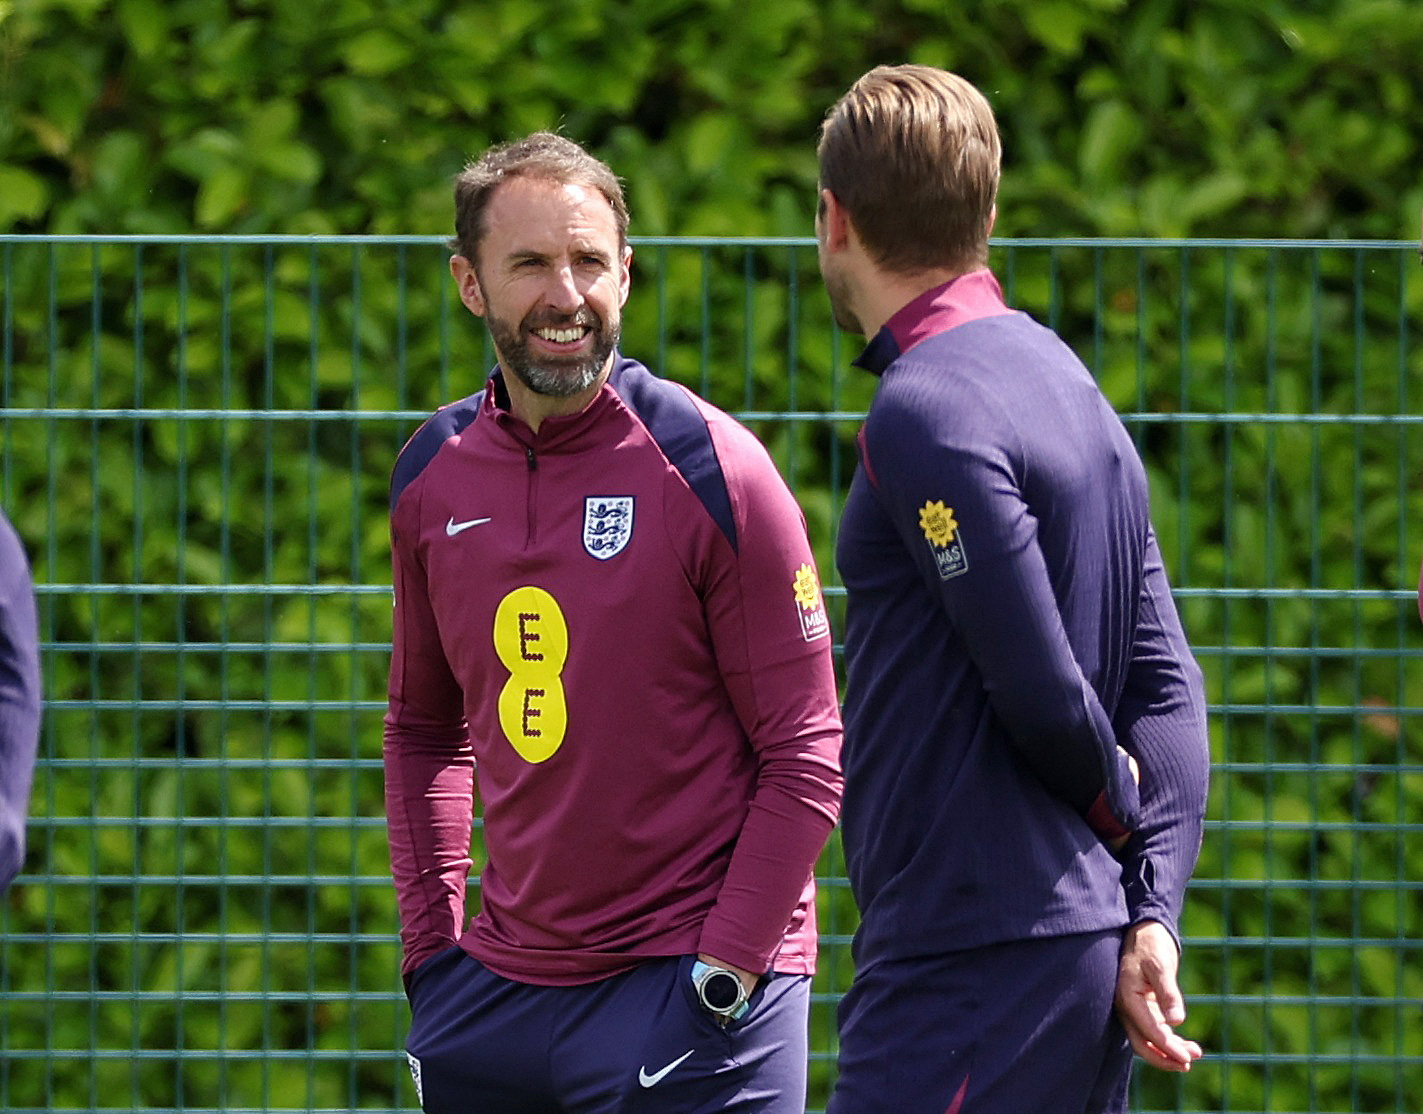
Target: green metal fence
x: 197, y: 435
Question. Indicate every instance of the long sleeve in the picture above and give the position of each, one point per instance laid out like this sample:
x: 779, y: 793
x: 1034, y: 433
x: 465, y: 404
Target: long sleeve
x: 1161, y: 719
x: 19, y: 699
x: 772, y: 642
x: 429, y: 774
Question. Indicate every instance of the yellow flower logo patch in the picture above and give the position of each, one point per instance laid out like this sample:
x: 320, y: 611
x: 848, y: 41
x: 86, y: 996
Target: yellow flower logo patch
x: 814, y: 623
x: 937, y: 522
x: 941, y: 531
x: 807, y: 587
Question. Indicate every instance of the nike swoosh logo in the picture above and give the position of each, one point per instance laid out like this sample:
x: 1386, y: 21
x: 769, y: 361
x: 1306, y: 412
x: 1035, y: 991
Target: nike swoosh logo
x: 657, y: 1077
x: 452, y: 527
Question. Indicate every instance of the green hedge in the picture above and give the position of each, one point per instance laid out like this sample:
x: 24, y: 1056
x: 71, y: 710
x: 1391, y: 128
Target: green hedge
x: 1121, y: 117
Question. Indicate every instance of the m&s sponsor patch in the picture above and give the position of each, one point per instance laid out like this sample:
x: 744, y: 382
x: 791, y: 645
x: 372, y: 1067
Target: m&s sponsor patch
x: 810, y: 605
x: 941, y: 531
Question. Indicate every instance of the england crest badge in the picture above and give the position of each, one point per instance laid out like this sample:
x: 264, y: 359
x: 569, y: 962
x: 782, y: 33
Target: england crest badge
x: 607, y: 524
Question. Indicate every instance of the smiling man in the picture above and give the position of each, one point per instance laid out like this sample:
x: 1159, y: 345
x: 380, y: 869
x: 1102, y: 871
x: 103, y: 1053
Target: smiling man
x: 608, y: 625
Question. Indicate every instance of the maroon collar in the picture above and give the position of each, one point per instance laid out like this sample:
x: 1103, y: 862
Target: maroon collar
x: 966, y: 298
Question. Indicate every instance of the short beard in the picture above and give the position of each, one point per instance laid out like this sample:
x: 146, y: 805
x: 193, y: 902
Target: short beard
x: 838, y: 291
x: 551, y: 376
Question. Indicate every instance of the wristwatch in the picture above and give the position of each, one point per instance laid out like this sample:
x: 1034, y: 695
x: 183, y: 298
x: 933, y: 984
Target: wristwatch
x: 720, y: 991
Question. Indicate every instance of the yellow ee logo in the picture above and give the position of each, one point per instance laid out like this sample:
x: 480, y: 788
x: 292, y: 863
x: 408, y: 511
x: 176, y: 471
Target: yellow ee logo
x: 531, y: 639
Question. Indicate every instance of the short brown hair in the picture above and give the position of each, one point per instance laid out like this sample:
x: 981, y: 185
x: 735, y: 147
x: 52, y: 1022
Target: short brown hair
x: 913, y: 154
x: 542, y: 155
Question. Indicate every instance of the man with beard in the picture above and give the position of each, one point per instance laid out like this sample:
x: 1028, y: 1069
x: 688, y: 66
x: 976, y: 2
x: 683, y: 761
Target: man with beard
x: 608, y: 619
x: 1013, y: 659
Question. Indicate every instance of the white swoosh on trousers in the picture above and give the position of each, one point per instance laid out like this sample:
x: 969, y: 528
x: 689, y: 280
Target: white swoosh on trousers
x: 657, y: 1077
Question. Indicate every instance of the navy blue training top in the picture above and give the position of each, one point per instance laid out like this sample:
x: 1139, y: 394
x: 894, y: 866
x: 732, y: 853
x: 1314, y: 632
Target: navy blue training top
x: 1009, y: 625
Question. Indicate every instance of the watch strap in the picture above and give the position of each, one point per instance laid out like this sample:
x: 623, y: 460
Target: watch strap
x: 738, y: 1009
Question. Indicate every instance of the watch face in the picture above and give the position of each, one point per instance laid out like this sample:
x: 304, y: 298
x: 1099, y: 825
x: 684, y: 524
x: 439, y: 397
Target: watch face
x: 721, y: 990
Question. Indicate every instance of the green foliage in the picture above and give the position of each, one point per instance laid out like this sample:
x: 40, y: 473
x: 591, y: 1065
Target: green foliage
x: 1156, y: 118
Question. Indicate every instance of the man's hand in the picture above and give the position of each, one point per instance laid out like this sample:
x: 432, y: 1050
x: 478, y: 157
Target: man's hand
x: 1149, y: 1002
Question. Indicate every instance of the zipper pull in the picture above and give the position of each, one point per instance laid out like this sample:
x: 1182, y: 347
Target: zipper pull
x: 533, y: 460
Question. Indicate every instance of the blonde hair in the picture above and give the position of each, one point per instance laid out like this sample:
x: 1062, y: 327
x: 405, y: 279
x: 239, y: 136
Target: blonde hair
x: 913, y: 154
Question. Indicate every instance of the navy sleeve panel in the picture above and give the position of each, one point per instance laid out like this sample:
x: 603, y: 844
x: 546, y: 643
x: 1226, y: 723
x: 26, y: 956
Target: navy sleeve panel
x: 426, y: 441
x: 1162, y: 720
x: 672, y: 418
x: 19, y: 699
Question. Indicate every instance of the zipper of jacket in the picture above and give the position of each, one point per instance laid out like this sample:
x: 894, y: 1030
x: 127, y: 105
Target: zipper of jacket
x: 533, y: 490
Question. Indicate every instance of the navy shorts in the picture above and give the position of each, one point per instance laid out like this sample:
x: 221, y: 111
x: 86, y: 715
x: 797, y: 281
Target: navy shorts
x: 1026, y: 1026
x: 640, y: 1041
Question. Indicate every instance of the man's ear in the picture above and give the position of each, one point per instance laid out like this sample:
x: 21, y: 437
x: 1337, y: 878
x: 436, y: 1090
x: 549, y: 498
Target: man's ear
x: 625, y: 279
x: 467, y: 283
x: 832, y: 222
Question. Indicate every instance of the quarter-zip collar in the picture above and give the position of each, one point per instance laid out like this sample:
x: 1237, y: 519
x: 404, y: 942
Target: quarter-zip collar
x: 562, y: 433
x: 966, y: 298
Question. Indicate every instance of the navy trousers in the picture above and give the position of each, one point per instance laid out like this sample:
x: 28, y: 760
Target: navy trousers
x: 636, y: 1042
x: 1026, y: 1027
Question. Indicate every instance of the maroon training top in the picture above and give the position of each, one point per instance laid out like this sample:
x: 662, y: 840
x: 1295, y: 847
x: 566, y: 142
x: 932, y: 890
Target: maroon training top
x: 615, y: 627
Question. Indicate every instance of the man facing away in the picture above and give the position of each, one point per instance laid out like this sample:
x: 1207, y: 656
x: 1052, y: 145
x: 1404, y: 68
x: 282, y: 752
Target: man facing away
x: 1013, y: 657
x: 609, y: 622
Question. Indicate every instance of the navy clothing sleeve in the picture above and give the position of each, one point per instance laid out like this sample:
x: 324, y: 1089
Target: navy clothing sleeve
x: 19, y: 699
x: 1161, y: 720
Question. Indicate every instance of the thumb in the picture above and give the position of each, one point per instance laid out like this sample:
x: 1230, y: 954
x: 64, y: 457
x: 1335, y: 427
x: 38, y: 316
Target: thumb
x: 1169, y: 1000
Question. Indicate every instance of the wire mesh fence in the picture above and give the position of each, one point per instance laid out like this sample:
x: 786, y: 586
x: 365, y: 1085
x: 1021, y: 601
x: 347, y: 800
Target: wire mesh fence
x: 197, y: 438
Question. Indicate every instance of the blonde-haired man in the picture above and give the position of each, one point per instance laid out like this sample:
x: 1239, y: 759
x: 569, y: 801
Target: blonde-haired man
x: 1013, y: 656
